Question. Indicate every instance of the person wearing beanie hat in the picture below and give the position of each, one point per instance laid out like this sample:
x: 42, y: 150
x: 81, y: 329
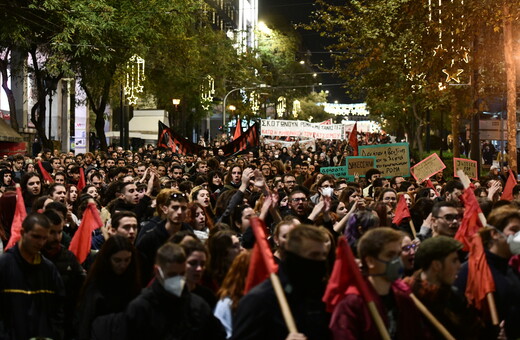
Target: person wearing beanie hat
x: 438, y: 264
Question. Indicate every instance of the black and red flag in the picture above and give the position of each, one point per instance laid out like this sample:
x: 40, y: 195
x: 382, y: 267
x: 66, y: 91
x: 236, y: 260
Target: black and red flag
x: 169, y: 139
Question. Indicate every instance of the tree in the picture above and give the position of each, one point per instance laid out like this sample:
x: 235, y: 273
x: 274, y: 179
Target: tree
x: 102, y: 35
x: 310, y: 107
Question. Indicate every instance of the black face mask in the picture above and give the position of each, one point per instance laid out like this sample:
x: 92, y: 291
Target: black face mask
x: 304, y: 274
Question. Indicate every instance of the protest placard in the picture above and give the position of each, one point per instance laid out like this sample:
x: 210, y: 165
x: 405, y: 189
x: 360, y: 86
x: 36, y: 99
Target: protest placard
x: 391, y: 159
x: 359, y: 165
x: 338, y: 171
x: 427, y: 168
x: 300, y: 128
x: 467, y: 165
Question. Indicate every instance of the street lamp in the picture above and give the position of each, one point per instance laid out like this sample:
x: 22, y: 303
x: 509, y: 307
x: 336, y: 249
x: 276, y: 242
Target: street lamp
x: 227, y: 95
x: 175, y: 102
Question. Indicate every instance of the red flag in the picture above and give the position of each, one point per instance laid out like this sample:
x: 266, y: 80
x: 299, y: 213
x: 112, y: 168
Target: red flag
x: 401, y: 211
x: 81, y: 182
x: 238, y: 130
x: 80, y: 243
x: 19, y: 215
x: 352, y: 139
x: 46, y: 176
x: 480, y: 281
x: 470, y: 221
x: 262, y: 261
x: 345, y: 276
x: 429, y: 184
x: 507, y: 194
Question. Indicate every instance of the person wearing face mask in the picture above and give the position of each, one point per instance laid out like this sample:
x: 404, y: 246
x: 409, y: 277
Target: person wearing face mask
x: 167, y: 309
x: 302, y: 272
x: 438, y: 262
x: 501, y: 242
x: 379, y: 250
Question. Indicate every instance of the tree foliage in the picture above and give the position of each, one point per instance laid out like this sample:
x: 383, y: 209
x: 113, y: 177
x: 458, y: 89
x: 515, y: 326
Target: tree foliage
x: 395, y: 55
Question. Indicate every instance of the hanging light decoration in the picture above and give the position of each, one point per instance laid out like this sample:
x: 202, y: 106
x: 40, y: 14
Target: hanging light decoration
x: 134, y: 79
x: 296, y: 108
x: 254, y: 102
x: 281, y: 106
x: 207, y: 90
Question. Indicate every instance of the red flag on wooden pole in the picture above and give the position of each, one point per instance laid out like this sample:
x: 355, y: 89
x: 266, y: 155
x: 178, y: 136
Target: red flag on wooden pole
x: 238, y: 130
x: 81, y: 242
x: 507, y: 194
x: 46, y: 176
x: 19, y: 215
x: 262, y: 261
x: 81, y: 182
x: 429, y: 184
x: 346, y: 276
x: 352, y: 139
x: 401, y: 211
x: 470, y: 221
x: 480, y: 280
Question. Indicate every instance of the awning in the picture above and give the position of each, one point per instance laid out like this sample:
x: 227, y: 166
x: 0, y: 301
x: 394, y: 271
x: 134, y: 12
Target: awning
x: 7, y: 134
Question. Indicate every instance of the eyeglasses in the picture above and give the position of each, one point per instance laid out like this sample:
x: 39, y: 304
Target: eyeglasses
x: 299, y: 199
x: 451, y: 217
x: 409, y: 247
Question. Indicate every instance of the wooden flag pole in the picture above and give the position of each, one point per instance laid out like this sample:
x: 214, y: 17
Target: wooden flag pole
x: 378, y: 320
x: 412, y: 227
x: 490, y: 298
x: 431, y: 318
x: 284, y: 306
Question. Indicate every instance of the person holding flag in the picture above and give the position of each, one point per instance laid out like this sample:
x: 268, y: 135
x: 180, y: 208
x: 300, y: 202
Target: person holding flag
x: 395, y: 315
x: 500, y: 242
x: 302, y: 275
x: 438, y: 261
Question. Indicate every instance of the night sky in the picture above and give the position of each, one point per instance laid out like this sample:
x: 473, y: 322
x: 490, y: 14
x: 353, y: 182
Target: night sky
x: 287, y: 12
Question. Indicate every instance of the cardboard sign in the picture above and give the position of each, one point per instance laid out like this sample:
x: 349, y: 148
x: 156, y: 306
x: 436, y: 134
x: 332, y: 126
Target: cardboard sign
x: 359, y: 165
x: 391, y: 159
x: 427, y: 168
x: 338, y: 171
x: 467, y: 165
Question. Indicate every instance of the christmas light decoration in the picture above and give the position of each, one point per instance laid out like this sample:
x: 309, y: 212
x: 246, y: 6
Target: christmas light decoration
x: 296, y: 108
x: 134, y: 79
x: 281, y: 106
x: 254, y: 102
x: 207, y: 90
x: 453, y: 74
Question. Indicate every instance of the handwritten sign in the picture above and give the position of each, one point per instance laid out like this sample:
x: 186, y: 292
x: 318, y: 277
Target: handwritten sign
x: 467, y: 165
x: 337, y: 171
x: 391, y: 159
x: 427, y: 168
x: 359, y: 165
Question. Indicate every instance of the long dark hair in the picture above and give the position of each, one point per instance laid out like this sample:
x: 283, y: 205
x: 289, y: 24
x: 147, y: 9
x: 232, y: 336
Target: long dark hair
x: 219, y: 245
x: 102, y: 275
x: 27, y: 196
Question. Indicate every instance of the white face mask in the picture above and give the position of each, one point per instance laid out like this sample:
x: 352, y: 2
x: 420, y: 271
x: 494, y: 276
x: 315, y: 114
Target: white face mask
x: 514, y: 243
x: 173, y: 285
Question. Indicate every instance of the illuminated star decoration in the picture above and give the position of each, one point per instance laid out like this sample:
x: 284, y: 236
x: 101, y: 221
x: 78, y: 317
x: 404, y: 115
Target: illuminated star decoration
x: 453, y: 75
x: 465, y: 56
x: 134, y: 79
x: 439, y: 50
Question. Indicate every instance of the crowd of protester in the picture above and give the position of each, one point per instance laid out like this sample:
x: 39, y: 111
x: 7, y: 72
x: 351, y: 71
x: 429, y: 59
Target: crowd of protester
x: 173, y: 255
